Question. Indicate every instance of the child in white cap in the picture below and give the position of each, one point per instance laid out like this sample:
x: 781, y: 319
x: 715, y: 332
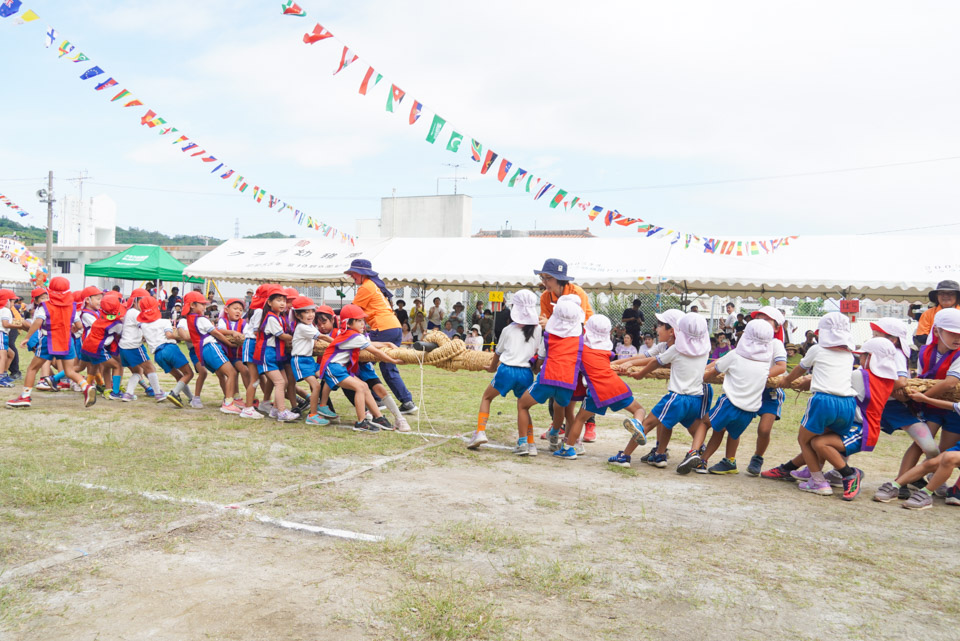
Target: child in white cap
x: 605, y: 390
x: 560, y: 354
x: 940, y: 466
x: 771, y: 401
x: 745, y: 371
x: 833, y: 404
x: 511, y: 360
x: 687, y: 400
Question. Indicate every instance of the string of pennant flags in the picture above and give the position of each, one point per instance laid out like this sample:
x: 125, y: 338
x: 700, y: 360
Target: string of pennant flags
x: 104, y: 82
x: 515, y: 177
x: 12, y: 205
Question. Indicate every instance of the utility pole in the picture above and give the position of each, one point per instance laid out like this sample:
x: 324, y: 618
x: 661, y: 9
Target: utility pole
x: 46, y: 196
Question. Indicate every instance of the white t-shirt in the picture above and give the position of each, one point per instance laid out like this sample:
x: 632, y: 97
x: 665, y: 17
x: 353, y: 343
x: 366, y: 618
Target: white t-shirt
x: 342, y: 356
x: 40, y: 313
x: 436, y: 315
x: 729, y: 323
x: 902, y: 369
x: 516, y: 351
x: 626, y: 351
x: 87, y: 319
x: 131, y: 337
x: 657, y: 349
x: 6, y: 314
x: 743, y: 380
x: 474, y: 343
x: 271, y: 329
x: 250, y: 329
x: 686, y: 372
x: 204, y: 326
x: 831, y: 370
x: 155, y: 333
x: 779, y: 352
x: 856, y: 382
x: 304, y: 336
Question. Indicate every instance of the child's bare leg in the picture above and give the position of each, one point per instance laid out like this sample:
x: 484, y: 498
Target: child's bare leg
x: 918, y: 471
x: 829, y: 447
x: 949, y: 461
x: 732, y: 445
x: 524, y: 422
x: 699, y: 433
x: 359, y: 389
x: 251, y: 392
x: 279, y: 389
x: 314, y: 394
x: 488, y: 395
x: 714, y: 444
x: 764, y: 429
x: 576, y: 426
x: 804, y: 436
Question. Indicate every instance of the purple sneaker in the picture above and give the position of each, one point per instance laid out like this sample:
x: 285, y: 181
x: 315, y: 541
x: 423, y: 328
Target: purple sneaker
x: 815, y: 487
x: 803, y: 474
x: 833, y: 478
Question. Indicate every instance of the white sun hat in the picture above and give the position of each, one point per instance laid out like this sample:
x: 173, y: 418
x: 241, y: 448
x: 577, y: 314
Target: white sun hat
x: 597, y: 333
x: 882, y: 357
x: 525, y: 308
x: 567, y: 318
x: 692, y: 335
x: 670, y: 317
x: 894, y: 327
x: 772, y: 313
x: 756, y: 343
x: 833, y: 330
x: 948, y: 319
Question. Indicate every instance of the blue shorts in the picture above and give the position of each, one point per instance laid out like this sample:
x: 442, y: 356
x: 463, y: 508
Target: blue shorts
x: 853, y: 439
x: 214, y: 357
x: 77, y: 342
x: 681, y: 408
x: 772, y: 402
x: 42, y: 351
x: 897, y: 416
x: 828, y: 412
x: 133, y: 357
x: 246, y: 352
x: 946, y: 419
x: 94, y: 359
x: 541, y: 393
x: 169, y: 357
x: 34, y: 343
x: 614, y: 407
x: 303, y: 367
x: 955, y: 448
x: 727, y: 416
x: 4, y: 340
x: 335, y: 374
x: 269, y: 361
x: 368, y: 374
x: 510, y: 378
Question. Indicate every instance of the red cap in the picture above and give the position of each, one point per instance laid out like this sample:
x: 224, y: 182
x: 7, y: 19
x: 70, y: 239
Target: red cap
x: 78, y: 296
x: 111, y: 305
x: 290, y: 292
x: 351, y: 312
x: 325, y: 309
x: 139, y: 292
x: 231, y: 301
x: 7, y: 295
x: 303, y: 302
x: 149, y: 309
x: 274, y: 290
x: 37, y: 292
x: 193, y: 297
x: 90, y: 291
x: 59, y: 284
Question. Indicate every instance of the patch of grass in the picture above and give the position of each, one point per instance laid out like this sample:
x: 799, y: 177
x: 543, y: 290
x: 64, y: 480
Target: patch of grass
x: 16, y: 606
x: 547, y: 504
x: 552, y: 578
x: 459, y: 536
x: 445, y: 613
x: 622, y: 471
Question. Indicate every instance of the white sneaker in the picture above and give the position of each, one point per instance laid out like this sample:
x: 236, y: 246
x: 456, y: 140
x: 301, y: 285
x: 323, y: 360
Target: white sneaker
x: 479, y: 438
x: 76, y: 388
x: 369, y: 417
x: 273, y: 412
x: 161, y: 397
x: 401, y: 425
x: 287, y: 416
x: 531, y: 449
x: 265, y: 407
x: 249, y: 412
x: 196, y: 403
x: 230, y: 408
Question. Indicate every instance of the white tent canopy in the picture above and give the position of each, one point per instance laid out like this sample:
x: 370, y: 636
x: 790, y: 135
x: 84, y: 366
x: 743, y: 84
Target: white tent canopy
x: 879, y: 267
x: 13, y: 273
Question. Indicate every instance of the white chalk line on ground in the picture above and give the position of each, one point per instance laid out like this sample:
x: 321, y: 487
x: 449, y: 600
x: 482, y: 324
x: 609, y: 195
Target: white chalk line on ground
x: 9, y: 575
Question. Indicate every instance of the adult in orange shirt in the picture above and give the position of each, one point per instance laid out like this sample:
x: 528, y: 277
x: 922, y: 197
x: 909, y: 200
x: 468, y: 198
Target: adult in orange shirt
x: 945, y: 296
x: 373, y: 298
x: 557, y: 283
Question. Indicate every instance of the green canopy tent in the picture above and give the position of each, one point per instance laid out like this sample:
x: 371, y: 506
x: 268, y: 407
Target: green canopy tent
x: 141, y: 262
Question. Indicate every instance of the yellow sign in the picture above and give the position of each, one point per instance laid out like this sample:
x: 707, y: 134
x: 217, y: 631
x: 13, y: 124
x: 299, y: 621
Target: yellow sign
x: 496, y: 297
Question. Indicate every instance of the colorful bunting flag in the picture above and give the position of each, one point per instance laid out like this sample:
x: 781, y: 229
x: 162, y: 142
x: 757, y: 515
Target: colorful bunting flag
x: 51, y: 36
x: 122, y: 94
x: 9, y: 203
x: 9, y: 8
x: 596, y: 211
x: 106, y: 83
x: 455, y: 140
x: 488, y: 161
x: 28, y: 16
x: 346, y: 58
x: 366, y: 81
x: 133, y: 103
x: 395, y: 97
x: 415, y: 111
x: 505, y: 166
x: 476, y: 149
x: 557, y: 198
x: 291, y: 8
x: 520, y: 173
x: 80, y: 57
x: 91, y: 72
x: 65, y: 48
x: 543, y: 191
x: 435, y: 128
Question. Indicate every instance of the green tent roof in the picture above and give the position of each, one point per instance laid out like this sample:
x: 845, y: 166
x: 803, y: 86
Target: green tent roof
x: 141, y: 262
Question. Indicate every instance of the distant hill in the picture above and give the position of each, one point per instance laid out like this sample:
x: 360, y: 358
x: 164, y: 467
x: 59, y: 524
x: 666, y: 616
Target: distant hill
x: 28, y: 235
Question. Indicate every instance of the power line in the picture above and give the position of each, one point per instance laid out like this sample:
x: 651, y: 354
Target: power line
x: 891, y: 231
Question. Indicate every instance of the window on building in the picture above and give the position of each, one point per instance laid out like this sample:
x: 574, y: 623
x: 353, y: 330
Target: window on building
x: 63, y: 266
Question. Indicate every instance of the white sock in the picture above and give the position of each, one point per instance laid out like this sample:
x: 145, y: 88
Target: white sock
x: 143, y: 383
x: 392, y: 406
x: 155, y: 383
x: 256, y: 384
x: 179, y: 387
x: 920, y: 433
x: 132, y: 383
x: 187, y: 392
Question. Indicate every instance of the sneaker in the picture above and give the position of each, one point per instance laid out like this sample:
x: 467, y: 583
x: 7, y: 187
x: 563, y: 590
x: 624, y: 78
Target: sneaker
x: 635, y: 428
x: 646, y: 457
x: 778, y: 473
x: 149, y: 392
x: 659, y: 460
x: 239, y: 403
x: 369, y: 417
x: 688, y: 463
x: 102, y: 390
x: 273, y: 413
x: 127, y: 397
x: 725, y: 466
x: 162, y: 396
x: 286, y: 416
x: 16, y: 377
x: 20, y: 401
x: 904, y: 492
x: 919, y: 484
x: 546, y: 435
x: 702, y: 468
x: 589, y: 432
x: 303, y: 406
x: 175, y: 399
x: 408, y: 408
x: 196, y: 403
x: 479, y: 438
x: 834, y: 478
x: 42, y: 385
x: 249, y: 412
x: 113, y: 396
x: 65, y: 384
x: 566, y: 453
x: 554, y: 437
x: 953, y: 496
x: 531, y: 449
x: 313, y: 419
x: 578, y: 447
x: 402, y: 425
x: 851, y: 484
x: 384, y: 423
x: 756, y: 464
x: 886, y: 493
x: 75, y: 387
x: 919, y: 500
x: 820, y: 488
x: 521, y: 449
x: 325, y: 412
x: 52, y: 385
x: 620, y: 459
x: 265, y: 407
x: 6, y: 383
x: 229, y: 408
x: 89, y: 396
x: 366, y: 426
x: 942, y: 490
x: 803, y: 474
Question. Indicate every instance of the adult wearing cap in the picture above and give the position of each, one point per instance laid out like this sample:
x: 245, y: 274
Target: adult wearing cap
x: 373, y: 298
x: 556, y: 283
x: 945, y: 296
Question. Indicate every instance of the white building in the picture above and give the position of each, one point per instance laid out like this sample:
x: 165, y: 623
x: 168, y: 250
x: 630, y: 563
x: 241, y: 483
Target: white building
x: 88, y: 223
x: 420, y: 217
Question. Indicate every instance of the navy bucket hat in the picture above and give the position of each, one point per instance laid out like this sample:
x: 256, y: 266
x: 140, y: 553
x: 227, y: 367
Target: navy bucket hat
x: 361, y: 266
x: 554, y: 267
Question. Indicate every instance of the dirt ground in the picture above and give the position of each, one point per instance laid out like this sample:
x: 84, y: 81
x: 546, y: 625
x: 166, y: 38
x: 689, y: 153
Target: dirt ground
x: 487, y: 545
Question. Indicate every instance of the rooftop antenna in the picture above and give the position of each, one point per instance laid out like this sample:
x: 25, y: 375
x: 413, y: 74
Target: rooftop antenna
x: 455, y: 178
x: 81, y: 176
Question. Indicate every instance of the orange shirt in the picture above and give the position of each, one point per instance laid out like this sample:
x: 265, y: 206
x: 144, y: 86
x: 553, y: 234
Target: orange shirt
x: 548, y: 300
x: 925, y: 324
x: 371, y: 300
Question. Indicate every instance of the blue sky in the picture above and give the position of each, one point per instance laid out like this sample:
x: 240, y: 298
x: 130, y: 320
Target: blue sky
x: 610, y: 100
